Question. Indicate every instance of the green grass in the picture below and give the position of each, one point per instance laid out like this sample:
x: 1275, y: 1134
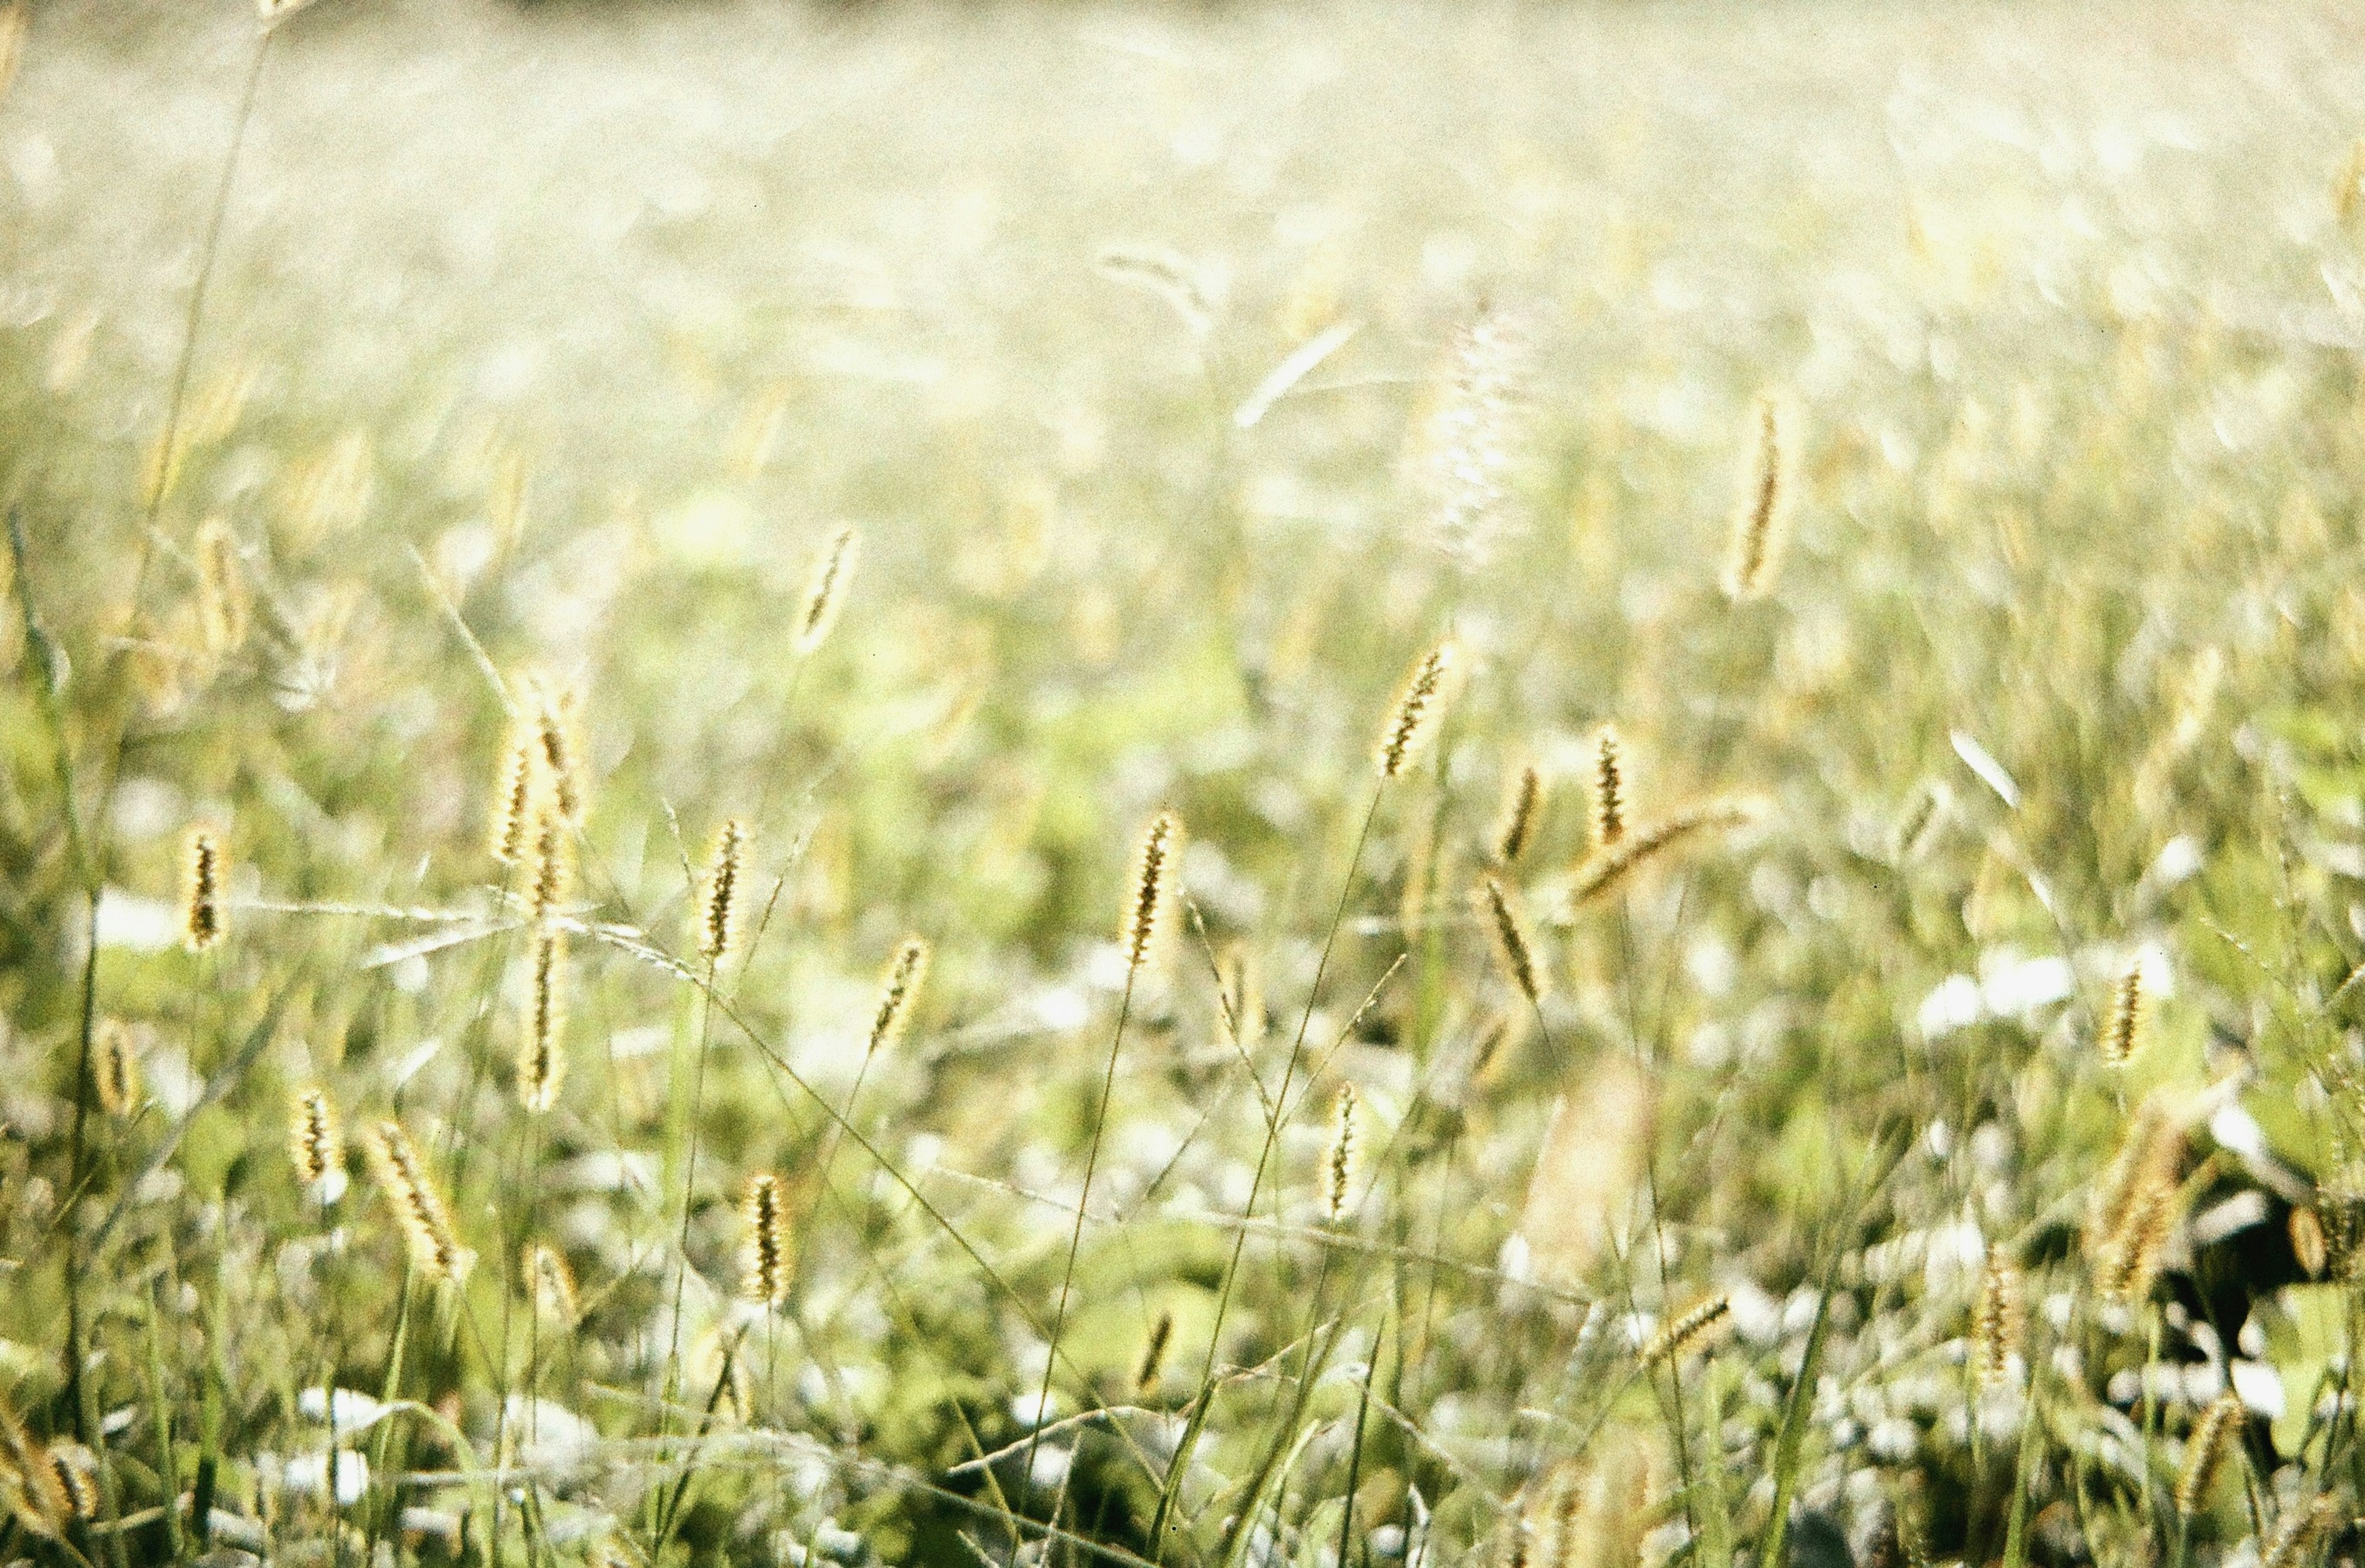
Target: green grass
x: 558, y: 345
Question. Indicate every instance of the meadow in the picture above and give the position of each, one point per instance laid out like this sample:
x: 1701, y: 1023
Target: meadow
x: 1234, y: 787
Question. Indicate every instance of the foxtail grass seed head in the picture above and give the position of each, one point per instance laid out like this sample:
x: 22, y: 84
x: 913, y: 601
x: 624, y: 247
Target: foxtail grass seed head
x: 1679, y: 1336
x: 202, y: 874
x: 2297, y: 1533
x: 1345, y: 1154
x: 899, y: 992
x: 224, y: 607
x: 41, y: 1504
x: 827, y: 590
x: 2307, y: 1242
x: 762, y: 1212
x: 314, y: 1145
x: 1153, y: 1354
x: 540, y: 1062
x: 2205, y: 1449
x: 1761, y: 521
x: 74, y: 1470
x: 1918, y: 823
x: 1418, y: 706
x: 554, y: 725
x: 554, y: 865
x: 1998, y: 1322
x: 513, y: 805
x: 1241, y: 993
x: 1523, y: 802
x: 1512, y: 949
x: 1609, y: 788
x: 1466, y: 448
x: 1154, y: 871
x: 549, y: 1284
x: 418, y: 1207
x: 1606, y: 867
x: 2125, y: 1033
x: 717, y: 925
x: 115, y: 1066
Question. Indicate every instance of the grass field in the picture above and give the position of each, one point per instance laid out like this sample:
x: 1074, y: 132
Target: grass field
x: 1361, y: 784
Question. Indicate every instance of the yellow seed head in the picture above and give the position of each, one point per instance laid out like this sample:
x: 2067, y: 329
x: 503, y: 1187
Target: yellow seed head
x: 550, y: 1284
x: 115, y: 1067
x: 1154, y: 869
x: 2125, y: 1032
x: 1523, y: 802
x: 2204, y: 1448
x: 541, y: 1063
x: 1417, y: 708
x: 1153, y: 1354
x: 718, y: 927
x: 1606, y: 867
x: 43, y: 1505
x: 1609, y: 790
x: 767, y: 1276
x: 899, y: 992
x: 202, y: 872
x: 2307, y: 1242
x: 73, y: 1469
x: 1760, y: 522
x: 224, y: 607
x: 1343, y: 1156
x: 553, y: 864
x: 827, y: 590
x: 1998, y: 1322
x: 1679, y: 1337
x: 2298, y: 1532
x: 313, y: 1145
x: 1511, y: 946
x: 418, y: 1208
x: 513, y: 806
x: 553, y: 726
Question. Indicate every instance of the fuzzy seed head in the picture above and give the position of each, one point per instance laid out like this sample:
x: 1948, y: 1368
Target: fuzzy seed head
x: 2307, y: 1242
x: 202, y: 873
x: 899, y: 992
x: 1154, y: 871
x: 1998, y: 1321
x: 540, y: 1062
x: 1418, y: 706
x: 554, y: 865
x: 1609, y: 788
x: 1153, y: 1354
x: 2298, y: 1532
x: 718, y: 927
x: 553, y: 726
x: 763, y: 1211
x: 827, y: 590
x: 513, y: 805
x: 549, y: 1284
x: 1761, y: 521
x: 2204, y: 1449
x: 1512, y: 949
x: 418, y: 1208
x: 74, y: 1470
x: 42, y: 1505
x: 1523, y: 802
x: 1343, y: 1158
x: 1679, y: 1336
x: 115, y: 1066
x: 224, y: 606
x: 314, y: 1147
x: 1606, y: 867
x: 2124, y: 1035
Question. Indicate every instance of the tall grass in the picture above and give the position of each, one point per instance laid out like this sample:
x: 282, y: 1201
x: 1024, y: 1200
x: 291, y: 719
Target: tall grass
x: 1817, y: 1026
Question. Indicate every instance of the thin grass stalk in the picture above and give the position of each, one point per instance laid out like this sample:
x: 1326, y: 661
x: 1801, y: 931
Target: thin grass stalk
x: 1180, y: 1465
x: 1076, y: 1234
